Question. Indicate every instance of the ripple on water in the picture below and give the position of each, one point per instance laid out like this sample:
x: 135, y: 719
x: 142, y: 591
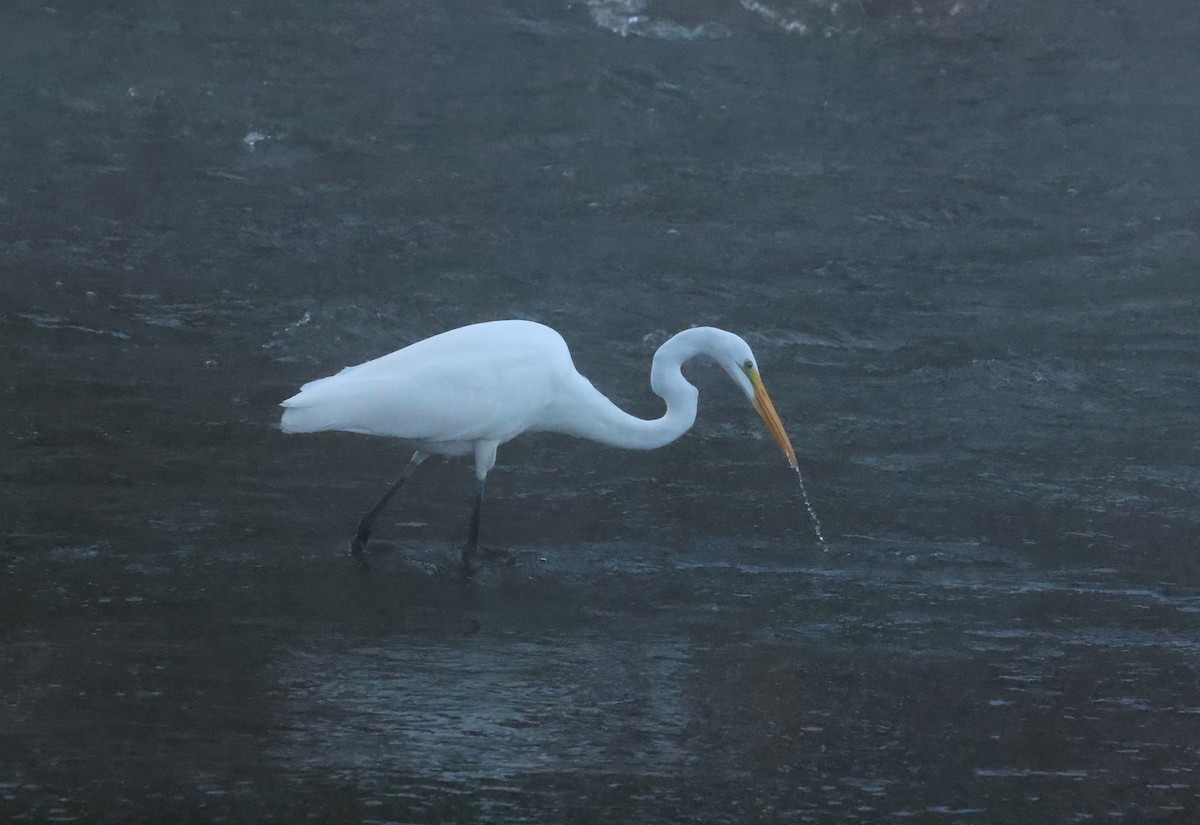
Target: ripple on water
x: 474, y: 710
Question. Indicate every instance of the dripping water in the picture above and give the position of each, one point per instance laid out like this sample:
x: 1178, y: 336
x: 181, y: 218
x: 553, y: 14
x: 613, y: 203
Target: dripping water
x: 812, y: 514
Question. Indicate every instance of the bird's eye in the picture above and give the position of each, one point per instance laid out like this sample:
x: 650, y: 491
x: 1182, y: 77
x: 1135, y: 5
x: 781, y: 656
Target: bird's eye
x: 747, y: 365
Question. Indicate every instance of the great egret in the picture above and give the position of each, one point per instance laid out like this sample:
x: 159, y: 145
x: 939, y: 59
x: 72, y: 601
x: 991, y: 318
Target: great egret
x: 474, y: 388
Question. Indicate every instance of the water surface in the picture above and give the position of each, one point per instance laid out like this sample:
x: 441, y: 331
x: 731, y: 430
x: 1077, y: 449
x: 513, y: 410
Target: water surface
x: 961, y: 240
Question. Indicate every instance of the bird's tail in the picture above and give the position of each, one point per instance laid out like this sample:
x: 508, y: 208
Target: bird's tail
x: 328, y: 404
x: 300, y: 420
x: 304, y: 413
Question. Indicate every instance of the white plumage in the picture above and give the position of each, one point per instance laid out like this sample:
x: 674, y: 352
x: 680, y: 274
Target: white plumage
x: 476, y: 387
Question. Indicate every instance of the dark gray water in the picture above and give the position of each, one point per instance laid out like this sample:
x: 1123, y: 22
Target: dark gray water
x: 962, y: 239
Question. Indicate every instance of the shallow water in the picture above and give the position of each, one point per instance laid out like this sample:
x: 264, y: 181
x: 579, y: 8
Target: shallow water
x: 961, y: 241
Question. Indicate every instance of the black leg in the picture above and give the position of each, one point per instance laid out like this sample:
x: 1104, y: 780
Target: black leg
x: 363, y: 534
x: 473, y: 536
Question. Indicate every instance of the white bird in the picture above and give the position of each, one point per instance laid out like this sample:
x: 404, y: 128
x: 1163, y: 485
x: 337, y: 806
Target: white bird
x: 474, y: 388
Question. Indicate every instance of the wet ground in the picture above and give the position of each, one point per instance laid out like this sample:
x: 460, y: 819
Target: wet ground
x: 962, y: 241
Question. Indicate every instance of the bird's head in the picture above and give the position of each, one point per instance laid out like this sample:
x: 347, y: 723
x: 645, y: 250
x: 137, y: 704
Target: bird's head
x: 742, y: 366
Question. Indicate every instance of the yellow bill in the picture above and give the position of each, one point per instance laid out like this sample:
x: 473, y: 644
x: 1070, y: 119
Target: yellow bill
x: 762, y: 403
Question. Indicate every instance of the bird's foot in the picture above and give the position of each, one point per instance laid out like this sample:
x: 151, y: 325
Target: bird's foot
x: 473, y: 555
x: 359, y: 543
x: 503, y: 558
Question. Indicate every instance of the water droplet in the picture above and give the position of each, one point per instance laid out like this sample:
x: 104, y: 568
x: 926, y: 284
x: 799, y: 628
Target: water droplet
x: 812, y: 514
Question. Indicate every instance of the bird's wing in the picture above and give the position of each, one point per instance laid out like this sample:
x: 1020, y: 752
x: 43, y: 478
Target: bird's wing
x: 460, y: 390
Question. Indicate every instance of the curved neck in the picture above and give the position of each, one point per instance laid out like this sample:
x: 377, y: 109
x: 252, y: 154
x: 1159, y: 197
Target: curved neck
x: 589, y: 414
